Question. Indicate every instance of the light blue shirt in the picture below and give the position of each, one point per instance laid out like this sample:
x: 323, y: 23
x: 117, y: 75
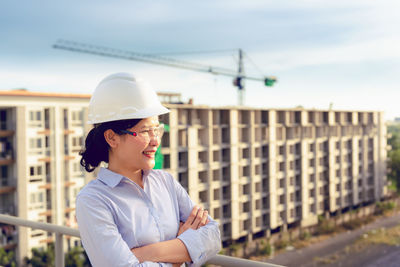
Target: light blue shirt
x: 115, y: 214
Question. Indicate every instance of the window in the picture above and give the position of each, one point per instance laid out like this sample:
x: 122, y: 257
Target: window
x: 312, y: 208
x: 35, y: 143
x: 36, y: 173
x: 338, y: 145
x: 258, y: 187
x: 281, y: 150
x: 246, y: 189
x: 77, y: 141
x: 216, y: 194
x: 246, y: 207
x: 281, y: 166
x: 312, y: 162
x: 312, y: 192
x: 216, y: 213
x: 281, y: 183
x: 282, y: 199
x: 203, y: 196
x: 298, y: 180
x: 76, y: 116
x: 35, y: 118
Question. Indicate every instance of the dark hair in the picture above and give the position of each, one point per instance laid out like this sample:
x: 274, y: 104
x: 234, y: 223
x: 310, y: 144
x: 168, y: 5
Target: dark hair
x: 96, y: 148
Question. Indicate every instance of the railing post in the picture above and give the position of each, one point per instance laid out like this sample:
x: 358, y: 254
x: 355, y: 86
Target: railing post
x: 59, y: 250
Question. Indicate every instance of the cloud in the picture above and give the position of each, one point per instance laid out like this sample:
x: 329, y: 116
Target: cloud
x: 363, y: 51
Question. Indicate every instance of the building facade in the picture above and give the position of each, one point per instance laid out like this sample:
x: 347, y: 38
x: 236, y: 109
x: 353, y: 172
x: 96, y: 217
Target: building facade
x: 255, y: 170
x: 40, y: 137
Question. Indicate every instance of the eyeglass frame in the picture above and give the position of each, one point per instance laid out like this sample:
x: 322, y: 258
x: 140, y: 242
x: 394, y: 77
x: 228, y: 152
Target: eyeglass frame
x: 160, y: 127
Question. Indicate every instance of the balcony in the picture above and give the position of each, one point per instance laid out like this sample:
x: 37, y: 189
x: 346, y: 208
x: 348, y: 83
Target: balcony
x: 8, y: 236
x: 6, y: 156
x: 60, y: 231
x: 7, y: 189
x: 7, y: 133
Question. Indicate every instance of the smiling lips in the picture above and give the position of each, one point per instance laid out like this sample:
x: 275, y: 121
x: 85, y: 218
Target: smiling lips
x: 150, y: 153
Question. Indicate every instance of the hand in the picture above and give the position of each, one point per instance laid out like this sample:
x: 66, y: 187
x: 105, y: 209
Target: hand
x: 197, y: 218
x: 177, y: 264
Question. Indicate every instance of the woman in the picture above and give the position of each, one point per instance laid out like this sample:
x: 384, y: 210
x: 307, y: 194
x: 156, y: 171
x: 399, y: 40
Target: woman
x: 132, y: 215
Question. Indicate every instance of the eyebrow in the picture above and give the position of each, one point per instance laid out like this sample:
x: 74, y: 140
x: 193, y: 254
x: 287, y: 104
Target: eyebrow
x: 146, y: 126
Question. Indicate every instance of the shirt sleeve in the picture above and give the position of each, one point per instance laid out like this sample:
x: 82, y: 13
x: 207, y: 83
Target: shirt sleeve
x: 100, y: 236
x: 203, y: 243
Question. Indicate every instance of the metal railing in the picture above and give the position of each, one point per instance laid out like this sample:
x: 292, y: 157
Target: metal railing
x: 60, y: 231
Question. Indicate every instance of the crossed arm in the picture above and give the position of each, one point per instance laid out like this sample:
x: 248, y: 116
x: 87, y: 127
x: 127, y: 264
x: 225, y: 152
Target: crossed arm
x: 173, y: 251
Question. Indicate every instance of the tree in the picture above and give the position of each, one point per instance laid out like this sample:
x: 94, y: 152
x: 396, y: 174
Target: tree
x: 76, y: 257
x: 394, y: 155
x: 7, y: 258
x: 42, y: 258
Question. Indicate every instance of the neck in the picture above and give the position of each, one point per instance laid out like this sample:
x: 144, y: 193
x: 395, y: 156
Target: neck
x: 132, y: 174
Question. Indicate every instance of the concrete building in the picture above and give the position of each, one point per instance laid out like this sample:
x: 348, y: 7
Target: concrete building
x: 40, y: 175
x: 255, y: 170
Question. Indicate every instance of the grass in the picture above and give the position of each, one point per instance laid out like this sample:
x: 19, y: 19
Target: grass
x: 384, y: 236
x: 389, y: 236
x: 385, y: 208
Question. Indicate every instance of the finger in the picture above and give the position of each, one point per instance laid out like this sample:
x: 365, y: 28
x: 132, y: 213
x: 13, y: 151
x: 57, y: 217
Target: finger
x: 198, y: 219
x: 208, y: 220
x: 204, y: 219
x: 192, y: 215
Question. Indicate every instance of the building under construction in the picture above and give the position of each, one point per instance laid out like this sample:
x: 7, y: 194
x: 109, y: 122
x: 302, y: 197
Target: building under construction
x: 257, y: 170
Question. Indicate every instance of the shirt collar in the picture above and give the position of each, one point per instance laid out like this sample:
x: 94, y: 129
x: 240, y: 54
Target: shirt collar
x: 112, y: 179
x: 108, y: 177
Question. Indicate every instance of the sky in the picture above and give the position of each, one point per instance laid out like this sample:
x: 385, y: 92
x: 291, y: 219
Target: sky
x: 343, y: 54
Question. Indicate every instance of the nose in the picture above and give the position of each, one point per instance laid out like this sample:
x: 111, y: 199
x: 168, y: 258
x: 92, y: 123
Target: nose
x: 154, y: 140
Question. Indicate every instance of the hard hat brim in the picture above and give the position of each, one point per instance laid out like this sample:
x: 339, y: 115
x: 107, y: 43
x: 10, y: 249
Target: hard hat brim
x: 141, y: 114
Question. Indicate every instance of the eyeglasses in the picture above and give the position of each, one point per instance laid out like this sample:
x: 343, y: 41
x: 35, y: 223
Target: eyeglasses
x: 148, y: 132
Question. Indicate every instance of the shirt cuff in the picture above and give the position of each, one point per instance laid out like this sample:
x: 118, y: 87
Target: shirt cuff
x: 193, y: 244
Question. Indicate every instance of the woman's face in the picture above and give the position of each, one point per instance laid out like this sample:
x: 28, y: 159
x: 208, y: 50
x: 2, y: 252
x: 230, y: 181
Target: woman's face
x: 138, y: 152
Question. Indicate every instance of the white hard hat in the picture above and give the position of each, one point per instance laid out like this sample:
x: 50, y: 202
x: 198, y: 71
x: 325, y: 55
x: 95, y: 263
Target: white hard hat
x: 121, y: 96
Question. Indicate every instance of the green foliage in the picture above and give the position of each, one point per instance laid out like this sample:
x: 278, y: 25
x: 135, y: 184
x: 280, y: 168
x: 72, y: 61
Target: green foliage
x: 265, y: 249
x: 305, y: 235
x: 357, y: 223
x: 353, y: 224
x: 76, y: 257
x: 281, y: 243
x: 394, y: 156
x: 7, y: 258
x: 234, y: 249
x: 384, y: 207
x: 325, y: 226
x: 42, y: 258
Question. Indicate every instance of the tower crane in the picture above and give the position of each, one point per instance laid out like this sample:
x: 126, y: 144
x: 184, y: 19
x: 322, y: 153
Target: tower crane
x: 239, y: 75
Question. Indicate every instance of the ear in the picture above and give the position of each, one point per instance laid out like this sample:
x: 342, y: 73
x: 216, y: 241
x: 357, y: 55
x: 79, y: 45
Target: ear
x: 111, y: 138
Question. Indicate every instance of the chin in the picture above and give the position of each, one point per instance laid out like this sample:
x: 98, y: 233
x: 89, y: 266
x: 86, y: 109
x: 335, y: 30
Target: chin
x: 149, y: 166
